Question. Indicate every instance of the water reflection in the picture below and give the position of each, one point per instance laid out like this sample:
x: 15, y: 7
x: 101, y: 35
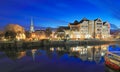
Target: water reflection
x: 85, y: 53
x: 80, y: 55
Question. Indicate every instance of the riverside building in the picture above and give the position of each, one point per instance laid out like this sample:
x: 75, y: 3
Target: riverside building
x: 88, y: 29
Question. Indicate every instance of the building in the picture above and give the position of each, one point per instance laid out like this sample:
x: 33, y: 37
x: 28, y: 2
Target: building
x: 37, y: 35
x: 40, y: 34
x: 62, y: 32
x: 88, y: 29
x: 20, y: 36
x: 31, y: 26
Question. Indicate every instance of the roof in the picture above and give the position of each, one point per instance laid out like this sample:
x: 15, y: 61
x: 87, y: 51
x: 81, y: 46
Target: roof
x: 74, y: 23
x: 84, y: 19
x: 105, y: 23
x: 98, y: 19
x: 64, y: 27
x: 78, y: 22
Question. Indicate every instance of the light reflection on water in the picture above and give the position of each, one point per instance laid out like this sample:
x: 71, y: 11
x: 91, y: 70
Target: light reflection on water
x: 54, y: 59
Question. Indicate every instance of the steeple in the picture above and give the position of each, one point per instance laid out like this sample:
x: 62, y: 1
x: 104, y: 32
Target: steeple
x: 31, y: 26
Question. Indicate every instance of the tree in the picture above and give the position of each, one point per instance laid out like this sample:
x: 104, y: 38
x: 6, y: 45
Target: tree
x: 60, y: 33
x: 1, y: 34
x: 14, y: 27
x: 10, y: 35
x: 48, y: 32
x: 60, y: 29
x: 12, y: 30
x: 28, y: 34
x: 67, y: 36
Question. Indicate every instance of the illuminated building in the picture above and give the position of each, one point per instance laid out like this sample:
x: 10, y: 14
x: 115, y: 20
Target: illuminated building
x: 32, y: 26
x: 88, y: 29
x: 20, y: 36
x: 40, y: 34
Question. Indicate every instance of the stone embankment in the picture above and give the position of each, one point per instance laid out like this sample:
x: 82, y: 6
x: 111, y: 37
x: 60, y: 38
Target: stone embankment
x: 24, y: 44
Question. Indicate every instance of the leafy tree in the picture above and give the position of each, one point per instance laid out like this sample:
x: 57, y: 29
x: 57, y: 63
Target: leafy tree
x: 1, y: 34
x: 60, y: 33
x: 48, y: 32
x: 60, y: 29
x: 10, y: 35
x: 28, y: 34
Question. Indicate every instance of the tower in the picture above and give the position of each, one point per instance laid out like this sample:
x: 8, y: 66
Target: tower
x: 31, y: 26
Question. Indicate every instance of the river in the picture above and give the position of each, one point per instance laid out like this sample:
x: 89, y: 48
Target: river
x: 54, y: 59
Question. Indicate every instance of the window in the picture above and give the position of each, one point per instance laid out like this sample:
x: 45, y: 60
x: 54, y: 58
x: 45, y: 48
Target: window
x: 98, y: 29
x: 99, y: 23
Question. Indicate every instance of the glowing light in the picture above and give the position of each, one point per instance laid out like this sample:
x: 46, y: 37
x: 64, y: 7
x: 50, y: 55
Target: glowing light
x: 102, y: 54
x: 52, y: 49
x: 20, y: 36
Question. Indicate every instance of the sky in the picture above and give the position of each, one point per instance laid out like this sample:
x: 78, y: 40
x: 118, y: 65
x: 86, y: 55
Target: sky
x: 54, y: 13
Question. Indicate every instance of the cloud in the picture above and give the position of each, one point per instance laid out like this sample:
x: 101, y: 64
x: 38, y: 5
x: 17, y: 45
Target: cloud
x: 110, y: 6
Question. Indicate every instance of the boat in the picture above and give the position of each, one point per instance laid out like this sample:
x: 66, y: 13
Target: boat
x: 112, y: 57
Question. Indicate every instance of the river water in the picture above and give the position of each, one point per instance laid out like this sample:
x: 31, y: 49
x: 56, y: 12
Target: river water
x: 54, y: 59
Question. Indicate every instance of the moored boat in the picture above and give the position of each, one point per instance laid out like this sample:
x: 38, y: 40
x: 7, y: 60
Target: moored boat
x: 112, y: 58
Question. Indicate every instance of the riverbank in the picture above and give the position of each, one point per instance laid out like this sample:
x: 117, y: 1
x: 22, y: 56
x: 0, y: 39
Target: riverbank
x: 41, y: 43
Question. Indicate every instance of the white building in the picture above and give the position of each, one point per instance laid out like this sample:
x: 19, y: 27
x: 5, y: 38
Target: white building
x: 86, y: 29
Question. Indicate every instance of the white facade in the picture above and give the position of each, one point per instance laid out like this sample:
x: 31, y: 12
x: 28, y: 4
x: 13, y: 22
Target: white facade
x: 89, y: 29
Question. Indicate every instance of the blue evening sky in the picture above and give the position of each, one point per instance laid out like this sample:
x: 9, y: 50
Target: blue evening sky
x: 56, y: 13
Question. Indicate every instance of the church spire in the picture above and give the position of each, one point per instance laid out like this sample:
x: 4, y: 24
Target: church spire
x: 31, y: 26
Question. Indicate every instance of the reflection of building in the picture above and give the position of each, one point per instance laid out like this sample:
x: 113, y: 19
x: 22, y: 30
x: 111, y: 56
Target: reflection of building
x: 85, y: 53
x: 90, y: 53
x: 31, y: 53
x: 21, y: 54
x: 15, y: 54
x: 88, y: 29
